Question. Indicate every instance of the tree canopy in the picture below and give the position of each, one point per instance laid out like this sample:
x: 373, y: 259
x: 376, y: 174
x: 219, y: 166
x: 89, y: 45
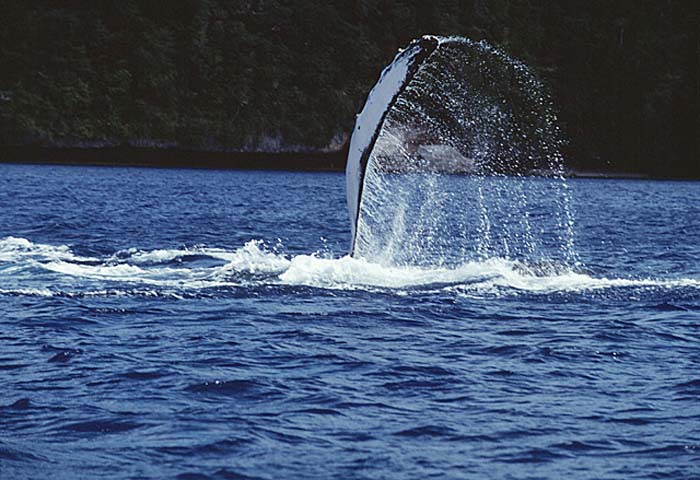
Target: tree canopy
x: 219, y: 74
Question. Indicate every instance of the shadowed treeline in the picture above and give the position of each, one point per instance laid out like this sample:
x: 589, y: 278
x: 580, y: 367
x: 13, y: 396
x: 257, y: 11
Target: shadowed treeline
x: 270, y: 74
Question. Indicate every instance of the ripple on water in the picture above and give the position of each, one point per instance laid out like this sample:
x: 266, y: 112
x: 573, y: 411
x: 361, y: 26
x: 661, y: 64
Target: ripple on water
x: 103, y: 426
x: 196, y: 366
x: 241, y: 389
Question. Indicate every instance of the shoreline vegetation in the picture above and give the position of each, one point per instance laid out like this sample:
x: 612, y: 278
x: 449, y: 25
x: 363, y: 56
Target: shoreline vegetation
x: 267, y: 77
x: 170, y: 157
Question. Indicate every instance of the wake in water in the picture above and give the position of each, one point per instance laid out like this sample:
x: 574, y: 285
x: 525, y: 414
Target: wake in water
x: 200, y: 271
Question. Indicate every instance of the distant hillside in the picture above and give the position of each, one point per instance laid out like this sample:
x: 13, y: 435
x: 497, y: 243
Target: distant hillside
x: 279, y: 75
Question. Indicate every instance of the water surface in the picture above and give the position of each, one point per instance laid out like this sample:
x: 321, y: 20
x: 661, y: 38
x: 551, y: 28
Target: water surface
x: 206, y: 324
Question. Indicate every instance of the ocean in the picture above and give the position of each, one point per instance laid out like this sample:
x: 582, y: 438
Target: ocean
x: 205, y: 324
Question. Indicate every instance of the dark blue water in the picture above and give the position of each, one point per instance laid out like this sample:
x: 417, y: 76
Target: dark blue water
x: 204, y: 324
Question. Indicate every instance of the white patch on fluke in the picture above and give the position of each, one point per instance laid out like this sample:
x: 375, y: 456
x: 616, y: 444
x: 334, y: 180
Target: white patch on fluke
x: 369, y: 121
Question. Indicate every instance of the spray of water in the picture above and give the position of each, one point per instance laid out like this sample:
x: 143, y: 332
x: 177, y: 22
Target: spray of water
x: 466, y: 166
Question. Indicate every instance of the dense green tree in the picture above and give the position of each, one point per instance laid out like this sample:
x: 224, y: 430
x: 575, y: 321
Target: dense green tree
x: 220, y: 74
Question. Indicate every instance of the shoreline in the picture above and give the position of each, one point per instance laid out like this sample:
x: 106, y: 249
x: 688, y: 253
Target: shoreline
x: 146, y: 157
x: 153, y: 157
x: 592, y: 175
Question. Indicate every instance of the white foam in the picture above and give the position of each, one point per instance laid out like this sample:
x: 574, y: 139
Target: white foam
x: 14, y: 249
x: 255, y: 264
x: 514, y: 280
x: 254, y: 258
x: 488, y: 276
x: 137, y: 256
x: 353, y: 272
x: 30, y: 292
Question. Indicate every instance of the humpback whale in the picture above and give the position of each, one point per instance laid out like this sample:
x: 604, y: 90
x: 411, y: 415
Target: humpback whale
x: 444, y: 159
x: 368, y: 124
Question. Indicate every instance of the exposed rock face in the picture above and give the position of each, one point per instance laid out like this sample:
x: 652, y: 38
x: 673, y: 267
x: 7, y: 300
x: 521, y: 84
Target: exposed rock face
x: 444, y: 159
x: 428, y: 158
x: 266, y: 143
x: 275, y: 143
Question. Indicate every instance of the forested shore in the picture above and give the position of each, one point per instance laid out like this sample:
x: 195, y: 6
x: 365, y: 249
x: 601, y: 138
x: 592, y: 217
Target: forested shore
x: 254, y: 77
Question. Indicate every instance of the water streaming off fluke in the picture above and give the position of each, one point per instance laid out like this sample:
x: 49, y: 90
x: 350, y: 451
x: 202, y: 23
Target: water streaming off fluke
x: 456, y: 157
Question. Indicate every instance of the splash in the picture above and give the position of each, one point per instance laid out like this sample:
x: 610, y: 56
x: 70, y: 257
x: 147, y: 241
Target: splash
x: 457, y: 158
x: 32, y: 269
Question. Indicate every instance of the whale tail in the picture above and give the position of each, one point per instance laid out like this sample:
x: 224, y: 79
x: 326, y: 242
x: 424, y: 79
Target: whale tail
x: 444, y: 157
x: 392, y: 82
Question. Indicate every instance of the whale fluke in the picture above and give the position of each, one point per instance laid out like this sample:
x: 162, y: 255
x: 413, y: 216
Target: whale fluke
x: 446, y: 161
x: 369, y: 122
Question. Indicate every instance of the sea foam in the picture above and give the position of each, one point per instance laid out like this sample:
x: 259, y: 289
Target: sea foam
x: 255, y: 264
